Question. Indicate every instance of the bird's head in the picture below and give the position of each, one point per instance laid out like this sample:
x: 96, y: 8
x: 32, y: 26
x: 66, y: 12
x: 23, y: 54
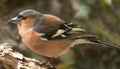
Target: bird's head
x: 28, y: 18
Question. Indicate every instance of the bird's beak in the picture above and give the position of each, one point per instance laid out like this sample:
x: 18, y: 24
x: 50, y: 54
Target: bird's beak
x: 14, y: 20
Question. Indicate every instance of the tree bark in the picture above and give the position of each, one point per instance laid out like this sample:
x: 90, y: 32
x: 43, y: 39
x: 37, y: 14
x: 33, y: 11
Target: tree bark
x: 11, y: 59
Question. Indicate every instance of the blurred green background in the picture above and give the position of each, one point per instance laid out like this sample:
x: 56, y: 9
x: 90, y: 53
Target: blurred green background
x: 99, y: 17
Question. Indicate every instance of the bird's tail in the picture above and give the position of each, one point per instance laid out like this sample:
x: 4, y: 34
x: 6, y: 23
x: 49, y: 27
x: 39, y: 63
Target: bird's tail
x: 94, y: 39
x: 79, y: 36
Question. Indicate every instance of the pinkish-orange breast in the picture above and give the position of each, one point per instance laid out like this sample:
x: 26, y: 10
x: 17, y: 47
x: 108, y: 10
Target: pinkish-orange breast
x: 50, y: 48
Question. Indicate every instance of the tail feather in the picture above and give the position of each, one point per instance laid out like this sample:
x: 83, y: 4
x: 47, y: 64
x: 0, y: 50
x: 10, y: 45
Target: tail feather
x: 111, y: 45
x: 101, y: 42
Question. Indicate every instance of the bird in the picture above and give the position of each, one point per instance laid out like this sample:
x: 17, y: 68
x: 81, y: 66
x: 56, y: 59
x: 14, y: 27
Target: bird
x: 51, y: 36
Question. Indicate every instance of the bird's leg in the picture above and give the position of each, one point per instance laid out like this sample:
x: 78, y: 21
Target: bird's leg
x: 48, y: 63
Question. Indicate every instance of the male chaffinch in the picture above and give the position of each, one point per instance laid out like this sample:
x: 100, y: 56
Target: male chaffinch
x: 49, y: 35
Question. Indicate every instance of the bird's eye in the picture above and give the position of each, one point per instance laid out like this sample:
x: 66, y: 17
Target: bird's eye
x: 22, y: 17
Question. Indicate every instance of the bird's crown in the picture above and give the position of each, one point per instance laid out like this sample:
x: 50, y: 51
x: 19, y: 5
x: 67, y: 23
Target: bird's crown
x: 29, y: 12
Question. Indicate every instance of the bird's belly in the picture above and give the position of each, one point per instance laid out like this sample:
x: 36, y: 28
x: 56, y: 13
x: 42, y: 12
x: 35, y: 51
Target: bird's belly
x: 49, y: 48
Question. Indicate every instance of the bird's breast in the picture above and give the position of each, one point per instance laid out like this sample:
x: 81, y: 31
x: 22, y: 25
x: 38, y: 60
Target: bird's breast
x: 50, y: 48
x: 30, y: 37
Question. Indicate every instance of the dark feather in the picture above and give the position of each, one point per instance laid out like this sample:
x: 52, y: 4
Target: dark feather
x: 47, y: 30
x: 69, y: 30
x: 94, y: 39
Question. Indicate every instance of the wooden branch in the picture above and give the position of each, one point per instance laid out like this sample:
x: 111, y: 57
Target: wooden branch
x: 11, y: 59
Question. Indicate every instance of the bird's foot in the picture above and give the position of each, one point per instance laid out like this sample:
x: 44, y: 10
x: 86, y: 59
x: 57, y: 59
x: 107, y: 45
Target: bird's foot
x: 48, y: 65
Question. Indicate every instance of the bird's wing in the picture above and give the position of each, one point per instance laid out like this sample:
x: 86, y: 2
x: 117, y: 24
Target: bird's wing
x: 68, y: 30
x: 72, y: 32
x: 63, y: 31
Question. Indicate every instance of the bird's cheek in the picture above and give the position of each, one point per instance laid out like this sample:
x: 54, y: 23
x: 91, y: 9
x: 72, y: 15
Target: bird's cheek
x: 25, y: 21
x: 30, y: 21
